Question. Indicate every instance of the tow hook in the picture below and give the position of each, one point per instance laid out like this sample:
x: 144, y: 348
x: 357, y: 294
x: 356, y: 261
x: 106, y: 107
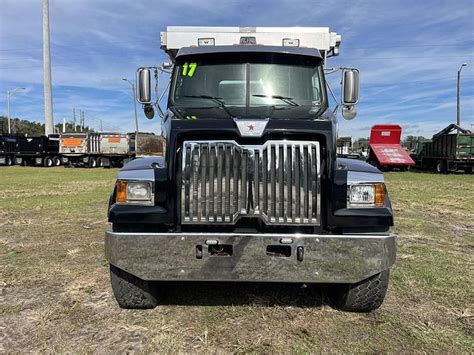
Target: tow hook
x: 300, y: 253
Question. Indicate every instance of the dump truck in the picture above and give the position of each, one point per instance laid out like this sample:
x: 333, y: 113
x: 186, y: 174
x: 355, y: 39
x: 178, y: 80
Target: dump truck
x: 8, y: 145
x: 385, y: 149
x: 250, y: 187
x: 451, y: 149
x: 37, y: 151
x: 95, y: 149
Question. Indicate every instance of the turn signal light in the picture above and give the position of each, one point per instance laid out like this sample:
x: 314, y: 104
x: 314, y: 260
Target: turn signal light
x: 379, y: 195
x: 121, y: 191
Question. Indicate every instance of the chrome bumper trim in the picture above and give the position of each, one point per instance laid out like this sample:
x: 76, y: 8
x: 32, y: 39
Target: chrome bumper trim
x: 327, y: 258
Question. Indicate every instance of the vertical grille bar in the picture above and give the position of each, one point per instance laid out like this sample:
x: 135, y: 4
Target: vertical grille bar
x: 220, y: 165
x: 281, y: 178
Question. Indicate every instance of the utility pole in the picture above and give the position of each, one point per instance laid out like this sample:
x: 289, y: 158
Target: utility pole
x: 458, y: 97
x: 74, y: 118
x: 135, y: 110
x: 9, y: 95
x: 48, y: 97
x: 64, y: 124
x: 82, y: 121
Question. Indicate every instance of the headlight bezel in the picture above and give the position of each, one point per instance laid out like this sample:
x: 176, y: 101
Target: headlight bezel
x: 379, y: 192
x: 122, y: 195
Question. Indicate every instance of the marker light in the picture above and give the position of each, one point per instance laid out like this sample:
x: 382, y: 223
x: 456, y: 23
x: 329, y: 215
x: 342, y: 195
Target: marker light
x: 291, y: 42
x: 206, y: 42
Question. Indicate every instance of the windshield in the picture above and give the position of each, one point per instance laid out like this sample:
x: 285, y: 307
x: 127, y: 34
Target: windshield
x: 280, y: 87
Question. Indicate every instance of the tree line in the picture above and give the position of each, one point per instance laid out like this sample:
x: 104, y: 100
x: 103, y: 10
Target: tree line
x: 33, y: 128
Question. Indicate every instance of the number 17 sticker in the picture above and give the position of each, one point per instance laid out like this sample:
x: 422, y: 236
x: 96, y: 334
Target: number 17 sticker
x: 189, y: 69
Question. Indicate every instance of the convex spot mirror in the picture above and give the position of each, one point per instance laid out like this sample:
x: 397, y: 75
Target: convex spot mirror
x: 144, y: 86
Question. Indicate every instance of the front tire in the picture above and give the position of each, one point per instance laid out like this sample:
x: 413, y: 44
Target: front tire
x: 363, y: 296
x: 8, y: 161
x: 131, y: 291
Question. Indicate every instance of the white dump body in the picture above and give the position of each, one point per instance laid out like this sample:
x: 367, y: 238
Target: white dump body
x: 114, y: 144
x: 321, y: 38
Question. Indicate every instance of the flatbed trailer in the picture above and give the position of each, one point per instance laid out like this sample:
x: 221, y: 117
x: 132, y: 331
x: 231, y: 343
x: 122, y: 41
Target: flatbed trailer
x: 451, y: 149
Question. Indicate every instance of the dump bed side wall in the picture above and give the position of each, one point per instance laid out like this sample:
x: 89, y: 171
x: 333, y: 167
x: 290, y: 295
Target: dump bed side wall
x: 8, y: 145
x: 80, y: 143
x: 450, y: 146
x: 114, y: 144
x: 37, y: 145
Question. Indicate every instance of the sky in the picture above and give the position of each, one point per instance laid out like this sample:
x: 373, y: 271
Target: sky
x: 408, y: 54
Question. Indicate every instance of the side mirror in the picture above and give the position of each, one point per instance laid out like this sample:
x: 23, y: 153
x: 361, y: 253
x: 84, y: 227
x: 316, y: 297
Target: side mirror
x: 350, y: 92
x: 350, y: 86
x: 144, y: 86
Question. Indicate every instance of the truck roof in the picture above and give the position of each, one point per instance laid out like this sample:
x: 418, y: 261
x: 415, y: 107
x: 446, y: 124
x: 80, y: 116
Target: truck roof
x: 310, y: 52
x: 315, y: 38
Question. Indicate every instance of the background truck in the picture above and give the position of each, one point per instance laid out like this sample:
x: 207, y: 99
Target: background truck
x: 385, y: 149
x: 250, y: 188
x: 450, y: 149
x: 38, y: 151
x: 95, y: 149
x: 8, y: 145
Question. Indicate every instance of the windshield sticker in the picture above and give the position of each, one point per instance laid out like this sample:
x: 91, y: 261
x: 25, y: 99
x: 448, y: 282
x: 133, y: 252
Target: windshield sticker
x: 189, y: 69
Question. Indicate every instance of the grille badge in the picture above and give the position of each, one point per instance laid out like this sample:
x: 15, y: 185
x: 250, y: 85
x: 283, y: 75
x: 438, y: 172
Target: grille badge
x: 251, y: 128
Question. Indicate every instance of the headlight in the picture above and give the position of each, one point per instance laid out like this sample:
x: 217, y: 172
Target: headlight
x: 366, y: 195
x: 134, y: 192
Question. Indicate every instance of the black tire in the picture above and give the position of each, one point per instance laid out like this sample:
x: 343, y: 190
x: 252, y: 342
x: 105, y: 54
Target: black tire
x: 364, y: 296
x: 441, y: 167
x: 48, y: 162
x: 57, y: 161
x: 468, y: 170
x: 8, y: 161
x: 131, y: 291
x: 92, y: 162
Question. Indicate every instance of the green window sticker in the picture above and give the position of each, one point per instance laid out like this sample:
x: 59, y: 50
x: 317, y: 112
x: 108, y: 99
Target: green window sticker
x: 189, y: 69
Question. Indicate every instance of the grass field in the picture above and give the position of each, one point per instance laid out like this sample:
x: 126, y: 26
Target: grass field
x: 55, y: 294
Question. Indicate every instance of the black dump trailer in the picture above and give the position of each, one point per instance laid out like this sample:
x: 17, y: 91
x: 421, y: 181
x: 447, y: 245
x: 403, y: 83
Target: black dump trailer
x: 95, y: 149
x: 8, y: 144
x: 38, y: 151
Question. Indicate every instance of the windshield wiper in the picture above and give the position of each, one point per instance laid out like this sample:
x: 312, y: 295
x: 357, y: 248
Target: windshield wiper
x: 218, y: 100
x: 285, y: 99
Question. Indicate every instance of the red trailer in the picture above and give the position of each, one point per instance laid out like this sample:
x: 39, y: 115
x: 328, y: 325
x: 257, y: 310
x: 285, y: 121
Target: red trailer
x: 385, y: 150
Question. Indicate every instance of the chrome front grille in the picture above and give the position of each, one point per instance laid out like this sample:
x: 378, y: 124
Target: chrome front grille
x: 223, y: 181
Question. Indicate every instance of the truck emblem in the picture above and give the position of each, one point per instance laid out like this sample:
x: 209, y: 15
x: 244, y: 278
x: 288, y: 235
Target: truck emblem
x: 251, y: 128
